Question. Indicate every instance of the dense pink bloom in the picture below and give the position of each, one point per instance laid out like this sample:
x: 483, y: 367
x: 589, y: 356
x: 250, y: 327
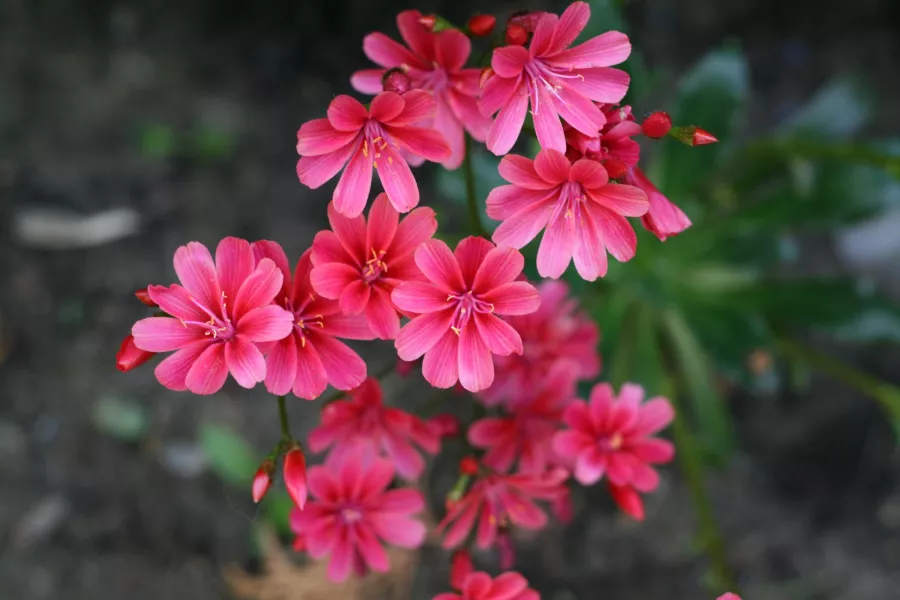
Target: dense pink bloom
x: 294, y: 474
x: 434, y: 61
x: 480, y: 586
x: 556, y: 80
x: 369, y: 139
x: 583, y: 213
x: 613, y: 146
x: 361, y: 263
x: 457, y: 328
x: 526, y: 435
x: 558, y: 330
x: 221, y: 312
x: 311, y: 357
x: 363, y: 425
x: 352, y: 512
x: 496, y: 501
x: 612, y: 436
x: 664, y: 219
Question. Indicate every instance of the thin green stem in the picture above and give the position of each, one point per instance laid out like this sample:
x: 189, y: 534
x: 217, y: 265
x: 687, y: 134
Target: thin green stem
x: 283, y: 417
x: 471, y: 199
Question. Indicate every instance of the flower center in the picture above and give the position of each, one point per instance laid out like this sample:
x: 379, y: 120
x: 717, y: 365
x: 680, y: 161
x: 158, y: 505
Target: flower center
x: 350, y: 514
x: 612, y: 443
x: 303, y: 321
x: 434, y: 80
x: 466, y: 305
x: 374, y: 142
x: 540, y: 74
x: 375, y: 267
x: 219, y: 326
x: 571, y: 197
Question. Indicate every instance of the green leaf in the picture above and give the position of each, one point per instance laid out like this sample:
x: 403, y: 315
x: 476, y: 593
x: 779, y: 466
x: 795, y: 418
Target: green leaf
x: 837, y: 110
x: 122, y: 419
x: 230, y: 457
x: 157, y: 141
x: 277, y: 507
x: 712, y: 96
x: 714, y: 427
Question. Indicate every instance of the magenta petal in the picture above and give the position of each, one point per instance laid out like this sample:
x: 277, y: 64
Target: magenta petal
x: 245, y: 362
x: 310, y: 379
x: 344, y: 368
x: 547, y: 126
x: 418, y: 105
x: 351, y: 327
x: 506, y: 200
x: 470, y: 253
x: 352, y: 191
x: 498, y: 335
x: 399, y: 531
x: 552, y: 166
x: 354, y: 297
x: 570, y: 25
x: 500, y: 266
x: 590, y: 254
x: 589, y: 173
x: 578, y: 111
x: 281, y: 366
x: 626, y: 200
x: 402, y: 501
x: 273, y: 251
x: 382, y: 225
x: 653, y: 450
x: 496, y: 92
x: 381, y: 315
x: 476, y: 367
x: 422, y: 333
x: 163, y: 334
x: 341, y: 557
x: 618, y: 234
x: 605, y: 84
x: 570, y: 443
x: 385, y: 52
x: 266, y: 324
x: 197, y: 273
x: 234, y: 263
x: 439, y: 368
x: 397, y: 179
x: 327, y: 248
x: 509, y: 586
x: 555, y: 251
x: 439, y: 265
x: 372, y: 552
x: 516, y: 298
x: 208, y: 373
x: 418, y: 226
x: 521, y: 171
x: 543, y: 35
x: 416, y: 36
x: 421, y: 141
x: 259, y: 289
x: 346, y: 114
x: 518, y: 229
x: 607, y: 49
x: 590, y: 467
x: 172, y: 371
x: 176, y: 301
x: 318, y: 137
x: 313, y: 171
x: 506, y: 127
x: 451, y: 49
x: 367, y: 81
x: 330, y: 279
x: 509, y: 61
x: 419, y: 297
x: 386, y: 106
x: 653, y: 416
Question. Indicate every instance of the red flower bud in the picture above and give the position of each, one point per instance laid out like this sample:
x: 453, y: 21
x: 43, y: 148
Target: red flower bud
x: 516, y: 35
x: 486, y: 73
x: 444, y: 425
x: 481, y: 25
x: 702, y: 137
x: 262, y: 481
x: 396, y: 80
x: 628, y: 500
x: 657, y: 125
x: 468, y: 465
x: 294, y: 473
x: 692, y: 135
x: 615, y: 168
x: 428, y: 21
x: 130, y: 356
x: 460, y: 568
x: 144, y: 296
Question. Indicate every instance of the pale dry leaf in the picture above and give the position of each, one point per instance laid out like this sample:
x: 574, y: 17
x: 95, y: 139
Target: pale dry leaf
x: 56, y: 229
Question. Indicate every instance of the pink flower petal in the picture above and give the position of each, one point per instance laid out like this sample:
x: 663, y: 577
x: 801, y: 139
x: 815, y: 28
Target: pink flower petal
x: 570, y: 443
x: 381, y: 315
x: 310, y: 379
x: 590, y: 466
x: 385, y: 52
x: 313, y: 171
x: 469, y: 253
x: 208, y: 373
x: 570, y: 25
x: 367, y: 81
x: 486, y: 535
x: 341, y: 557
x: 418, y: 106
x: 618, y: 469
x: 523, y: 212
x: 197, y: 273
x: 176, y: 301
x: 422, y: 333
x: 508, y: 586
x: 234, y: 263
x: 419, y: 297
x: 352, y: 191
x: 496, y: 92
x: 589, y: 173
x: 163, y: 334
x: 451, y: 128
x: 603, y: 84
x: 521, y: 172
x: 330, y: 279
x: 578, y: 416
x: 416, y: 36
x: 516, y: 298
x: 372, y: 552
x: 418, y: 226
x: 467, y: 112
x: 589, y: 252
x: 259, y: 289
x: 344, y: 368
x: 396, y: 178
x: 462, y: 526
x: 547, y: 126
x: 281, y: 366
x: 644, y: 478
x: 399, y: 531
x: 406, y: 460
x: 476, y: 368
x: 543, y: 35
x: 350, y: 231
x: 440, y: 366
x: 484, y: 432
x: 318, y: 137
x: 451, y: 49
x: 245, y: 362
x: 327, y: 248
x: 421, y: 141
x: 506, y: 127
x: 354, y: 297
x: 653, y: 450
x: 351, y: 327
x: 577, y: 110
x: 499, y: 266
x: 552, y: 166
x: 382, y: 225
x: 386, y: 106
x: 509, y: 61
x: 266, y: 324
x: 653, y: 416
x: 626, y: 200
x: 618, y: 235
x: 400, y: 502
x: 607, y: 49
x: 498, y: 335
x: 440, y: 265
x: 346, y: 114
x: 172, y: 371
x: 273, y: 251
x: 555, y: 251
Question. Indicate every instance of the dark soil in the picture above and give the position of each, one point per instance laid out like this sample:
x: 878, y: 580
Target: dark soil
x: 810, y: 508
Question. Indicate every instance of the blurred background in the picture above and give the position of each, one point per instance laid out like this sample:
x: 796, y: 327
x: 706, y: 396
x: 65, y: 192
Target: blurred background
x: 128, y: 128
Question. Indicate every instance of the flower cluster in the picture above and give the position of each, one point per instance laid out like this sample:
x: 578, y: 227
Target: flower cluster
x: 466, y: 313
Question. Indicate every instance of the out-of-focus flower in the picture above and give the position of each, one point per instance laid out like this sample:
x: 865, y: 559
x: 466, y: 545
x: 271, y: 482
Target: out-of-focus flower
x: 664, y: 219
x: 558, y: 330
x: 444, y: 425
x: 480, y: 586
x: 460, y: 568
x: 613, y: 437
x: 457, y: 327
x: 311, y: 357
x: 351, y: 512
x: 362, y: 425
x: 130, y: 356
x: 360, y: 263
x: 435, y: 62
x: 515, y: 35
x: 558, y: 81
x: 582, y: 213
x: 366, y: 139
x: 481, y: 25
x: 294, y: 474
x: 220, y: 313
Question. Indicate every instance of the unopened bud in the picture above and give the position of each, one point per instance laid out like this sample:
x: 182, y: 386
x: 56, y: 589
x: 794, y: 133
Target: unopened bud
x: 628, y: 500
x: 144, y: 296
x: 262, y: 481
x: 468, y: 466
x: 615, y: 168
x: 516, y: 35
x: 692, y: 135
x: 428, y: 21
x: 657, y: 125
x: 130, y: 356
x: 702, y: 137
x: 481, y: 25
x: 294, y: 473
x: 460, y: 568
x: 396, y: 80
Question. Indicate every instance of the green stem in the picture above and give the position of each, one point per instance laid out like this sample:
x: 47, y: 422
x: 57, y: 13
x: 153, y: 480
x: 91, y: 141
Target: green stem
x: 692, y: 467
x: 886, y: 395
x: 283, y: 417
x: 471, y: 199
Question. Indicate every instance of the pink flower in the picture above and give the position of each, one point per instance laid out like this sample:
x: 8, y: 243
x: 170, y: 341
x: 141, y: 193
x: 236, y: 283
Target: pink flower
x: 368, y: 139
x: 526, y: 435
x: 457, y: 328
x: 664, y: 219
x: 435, y: 63
x: 558, y: 81
x: 613, y: 437
x: 352, y: 512
x: 613, y: 146
x: 558, y: 330
x: 363, y: 425
x: 583, y: 213
x: 729, y: 596
x: 361, y: 263
x: 497, y: 500
x: 311, y: 357
x: 221, y: 312
x: 294, y: 473
x: 480, y: 586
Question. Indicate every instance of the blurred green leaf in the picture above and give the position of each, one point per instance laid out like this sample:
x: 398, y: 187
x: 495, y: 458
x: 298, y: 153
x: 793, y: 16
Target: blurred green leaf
x: 211, y: 143
x: 157, y: 140
x: 837, y: 110
x: 711, y: 96
x: 277, y: 507
x: 714, y: 427
x: 122, y: 419
x: 230, y: 457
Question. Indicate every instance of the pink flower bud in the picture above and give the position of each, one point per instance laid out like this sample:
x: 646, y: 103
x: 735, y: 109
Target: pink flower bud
x: 262, y: 481
x: 628, y: 500
x: 460, y: 568
x: 444, y: 425
x: 468, y: 465
x: 702, y: 137
x: 396, y: 80
x: 481, y: 25
x: 692, y: 135
x: 144, y: 296
x: 657, y: 125
x: 130, y: 356
x: 516, y: 35
x: 294, y: 473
